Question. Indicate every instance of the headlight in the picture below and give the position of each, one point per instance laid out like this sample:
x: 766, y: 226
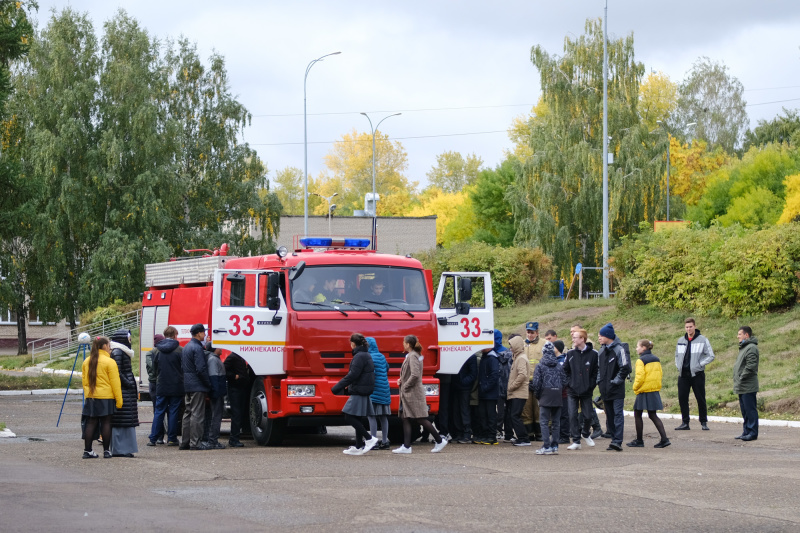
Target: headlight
x: 431, y: 390
x: 295, y: 391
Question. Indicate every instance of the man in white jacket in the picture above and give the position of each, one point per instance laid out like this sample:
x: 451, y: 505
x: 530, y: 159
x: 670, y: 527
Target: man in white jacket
x: 692, y: 354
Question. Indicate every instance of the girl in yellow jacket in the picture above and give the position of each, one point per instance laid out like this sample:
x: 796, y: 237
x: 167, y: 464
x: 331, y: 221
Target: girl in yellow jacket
x: 103, y: 396
x: 646, y: 386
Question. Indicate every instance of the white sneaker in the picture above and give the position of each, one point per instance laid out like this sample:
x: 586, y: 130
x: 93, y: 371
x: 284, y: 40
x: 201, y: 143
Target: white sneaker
x: 543, y: 451
x: 589, y: 441
x: 368, y: 445
x: 447, y: 437
x: 402, y: 449
x: 576, y: 446
x: 439, y: 447
x: 352, y: 450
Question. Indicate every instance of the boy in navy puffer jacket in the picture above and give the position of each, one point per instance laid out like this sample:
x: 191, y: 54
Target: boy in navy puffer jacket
x: 548, y: 382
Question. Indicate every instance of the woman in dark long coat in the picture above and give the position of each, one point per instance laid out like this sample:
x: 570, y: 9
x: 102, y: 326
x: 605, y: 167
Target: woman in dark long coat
x: 360, y: 383
x: 125, y: 420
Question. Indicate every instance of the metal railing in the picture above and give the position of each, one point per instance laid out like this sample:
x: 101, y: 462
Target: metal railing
x: 68, y: 344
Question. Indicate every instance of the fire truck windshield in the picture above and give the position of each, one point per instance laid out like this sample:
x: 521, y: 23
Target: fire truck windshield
x: 360, y: 288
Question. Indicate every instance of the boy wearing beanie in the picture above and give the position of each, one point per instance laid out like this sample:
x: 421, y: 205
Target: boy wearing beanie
x: 613, y: 367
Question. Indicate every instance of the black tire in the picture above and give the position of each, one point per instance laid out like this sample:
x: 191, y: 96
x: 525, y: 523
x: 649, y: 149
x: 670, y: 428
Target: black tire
x: 265, y: 431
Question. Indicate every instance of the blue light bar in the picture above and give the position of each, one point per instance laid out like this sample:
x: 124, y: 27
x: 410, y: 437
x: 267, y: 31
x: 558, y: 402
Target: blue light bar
x: 314, y: 242
x: 356, y: 243
x: 329, y: 242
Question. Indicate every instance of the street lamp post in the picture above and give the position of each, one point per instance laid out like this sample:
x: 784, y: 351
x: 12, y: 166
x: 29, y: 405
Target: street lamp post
x: 374, y: 201
x: 305, y: 144
x: 331, y: 207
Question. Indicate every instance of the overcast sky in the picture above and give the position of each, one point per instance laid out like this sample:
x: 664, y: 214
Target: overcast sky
x: 424, y: 58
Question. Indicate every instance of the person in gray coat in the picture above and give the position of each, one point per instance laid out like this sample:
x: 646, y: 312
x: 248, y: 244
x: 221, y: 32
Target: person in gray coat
x: 196, y: 385
x: 745, y: 382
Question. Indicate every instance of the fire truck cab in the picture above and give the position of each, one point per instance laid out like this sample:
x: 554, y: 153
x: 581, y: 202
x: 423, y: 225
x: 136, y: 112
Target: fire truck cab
x: 290, y: 316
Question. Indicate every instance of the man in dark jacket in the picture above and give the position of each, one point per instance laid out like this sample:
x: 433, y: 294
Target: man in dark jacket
x: 151, y: 383
x: 580, y: 368
x: 462, y: 419
x: 238, y: 395
x: 488, y: 393
x: 692, y: 353
x: 745, y: 382
x: 196, y: 385
x: 168, y: 370
x: 216, y: 398
x: 614, y: 366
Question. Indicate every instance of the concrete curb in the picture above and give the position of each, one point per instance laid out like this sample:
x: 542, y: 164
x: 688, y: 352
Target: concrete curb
x: 7, y: 434
x: 38, y: 392
x: 730, y: 420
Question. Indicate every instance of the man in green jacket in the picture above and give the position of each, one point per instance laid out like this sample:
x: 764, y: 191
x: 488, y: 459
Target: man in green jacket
x: 745, y: 382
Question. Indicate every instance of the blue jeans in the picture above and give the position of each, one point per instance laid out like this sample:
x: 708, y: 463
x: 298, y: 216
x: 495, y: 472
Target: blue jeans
x: 748, y: 405
x: 171, y: 406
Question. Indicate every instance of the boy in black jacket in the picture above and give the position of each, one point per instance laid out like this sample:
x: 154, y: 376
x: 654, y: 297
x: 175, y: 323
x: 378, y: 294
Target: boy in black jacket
x: 614, y: 366
x: 581, y: 370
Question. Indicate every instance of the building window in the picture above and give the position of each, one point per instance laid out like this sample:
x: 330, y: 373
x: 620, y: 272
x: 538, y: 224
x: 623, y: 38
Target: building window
x: 8, y: 318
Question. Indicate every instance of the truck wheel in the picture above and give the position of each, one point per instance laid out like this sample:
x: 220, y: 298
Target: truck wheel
x: 266, y: 431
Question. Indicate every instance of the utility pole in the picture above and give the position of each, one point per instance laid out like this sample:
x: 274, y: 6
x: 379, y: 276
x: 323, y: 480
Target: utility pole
x: 605, y: 154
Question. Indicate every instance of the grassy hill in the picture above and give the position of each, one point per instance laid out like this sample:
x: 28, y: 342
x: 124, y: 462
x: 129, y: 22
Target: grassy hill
x: 778, y: 335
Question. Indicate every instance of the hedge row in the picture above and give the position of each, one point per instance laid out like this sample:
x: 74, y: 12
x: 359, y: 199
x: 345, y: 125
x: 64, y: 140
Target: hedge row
x: 733, y: 271
x: 518, y: 274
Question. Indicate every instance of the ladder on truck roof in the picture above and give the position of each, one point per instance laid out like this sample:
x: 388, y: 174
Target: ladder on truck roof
x: 184, y: 271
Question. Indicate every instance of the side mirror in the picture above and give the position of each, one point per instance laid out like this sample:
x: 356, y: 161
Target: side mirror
x: 464, y: 290
x: 236, y: 277
x: 462, y: 308
x: 296, y: 270
x: 273, y: 291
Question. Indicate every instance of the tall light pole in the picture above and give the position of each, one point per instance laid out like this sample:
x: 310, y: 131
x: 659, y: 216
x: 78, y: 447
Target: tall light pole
x: 331, y: 207
x: 374, y: 201
x: 305, y: 144
x: 605, y: 154
x: 660, y: 123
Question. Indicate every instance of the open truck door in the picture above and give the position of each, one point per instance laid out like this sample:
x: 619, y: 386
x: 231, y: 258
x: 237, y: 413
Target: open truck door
x: 465, y: 312
x: 249, y: 318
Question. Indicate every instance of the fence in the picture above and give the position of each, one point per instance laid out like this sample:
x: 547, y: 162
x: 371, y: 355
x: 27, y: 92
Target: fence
x: 68, y: 344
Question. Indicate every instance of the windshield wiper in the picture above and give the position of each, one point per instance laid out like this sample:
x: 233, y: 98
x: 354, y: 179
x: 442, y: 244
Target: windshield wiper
x: 391, y: 305
x: 320, y: 304
x: 359, y: 305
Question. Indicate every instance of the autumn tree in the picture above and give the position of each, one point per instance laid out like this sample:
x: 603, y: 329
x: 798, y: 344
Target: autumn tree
x: 453, y: 171
x: 557, y: 195
x: 445, y: 205
x: 349, y: 173
x: 750, y: 191
x: 791, y: 209
x: 691, y: 165
x: 714, y: 100
x: 658, y: 96
x: 288, y: 186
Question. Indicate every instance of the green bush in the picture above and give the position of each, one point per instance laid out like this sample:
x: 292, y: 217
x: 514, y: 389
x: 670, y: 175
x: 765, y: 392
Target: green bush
x: 518, y: 274
x: 119, y: 307
x: 733, y: 271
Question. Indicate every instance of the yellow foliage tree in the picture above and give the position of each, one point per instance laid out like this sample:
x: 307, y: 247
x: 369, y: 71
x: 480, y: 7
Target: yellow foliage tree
x: 520, y: 130
x: 349, y: 173
x: 691, y: 166
x: 658, y: 96
x: 791, y: 210
x: 444, y: 205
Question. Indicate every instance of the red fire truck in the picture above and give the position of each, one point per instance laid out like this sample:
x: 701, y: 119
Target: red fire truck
x: 290, y: 316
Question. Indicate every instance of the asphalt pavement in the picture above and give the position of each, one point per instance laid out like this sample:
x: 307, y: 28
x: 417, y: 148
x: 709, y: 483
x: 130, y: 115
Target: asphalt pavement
x: 705, y: 481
